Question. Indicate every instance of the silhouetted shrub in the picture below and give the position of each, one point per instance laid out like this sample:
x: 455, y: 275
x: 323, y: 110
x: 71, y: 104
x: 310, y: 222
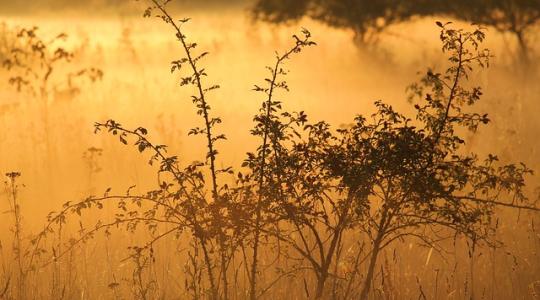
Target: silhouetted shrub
x: 308, y: 191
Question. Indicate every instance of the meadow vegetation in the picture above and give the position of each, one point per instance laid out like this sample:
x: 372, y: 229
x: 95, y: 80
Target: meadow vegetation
x: 391, y: 205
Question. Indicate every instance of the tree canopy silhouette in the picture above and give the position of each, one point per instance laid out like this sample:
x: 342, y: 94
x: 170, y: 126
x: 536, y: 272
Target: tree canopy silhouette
x: 368, y: 18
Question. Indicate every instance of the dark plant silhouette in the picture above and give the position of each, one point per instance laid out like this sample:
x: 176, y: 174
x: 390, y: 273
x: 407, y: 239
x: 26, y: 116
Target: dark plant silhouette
x: 18, y: 247
x: 307, y: 191
x: 422, y: 181
x: 391, y: 177
x: 269, y: 128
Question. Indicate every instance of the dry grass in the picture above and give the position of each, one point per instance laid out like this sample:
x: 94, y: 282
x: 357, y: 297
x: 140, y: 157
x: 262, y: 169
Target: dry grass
x: 137, y: 88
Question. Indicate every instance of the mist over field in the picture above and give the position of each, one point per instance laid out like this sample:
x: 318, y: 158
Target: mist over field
x: 376, y: 208
x: 111, y: 7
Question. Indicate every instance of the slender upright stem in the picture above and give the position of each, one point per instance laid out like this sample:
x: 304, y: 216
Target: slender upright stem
x: 203, y: 105
x: 17, y: 243
x: 385, y: 220
x: 202, y: 98
x: 253, y: 275
x: 264, y: 148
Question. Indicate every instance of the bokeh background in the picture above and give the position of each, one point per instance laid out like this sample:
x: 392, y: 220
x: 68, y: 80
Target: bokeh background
x: 333, y: 81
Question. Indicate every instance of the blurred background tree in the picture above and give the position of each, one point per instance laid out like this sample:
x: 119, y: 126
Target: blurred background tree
x: 367, y: 19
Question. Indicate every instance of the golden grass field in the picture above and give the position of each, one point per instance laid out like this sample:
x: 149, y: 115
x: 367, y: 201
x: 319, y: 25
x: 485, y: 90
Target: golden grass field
x: 333, y: 81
